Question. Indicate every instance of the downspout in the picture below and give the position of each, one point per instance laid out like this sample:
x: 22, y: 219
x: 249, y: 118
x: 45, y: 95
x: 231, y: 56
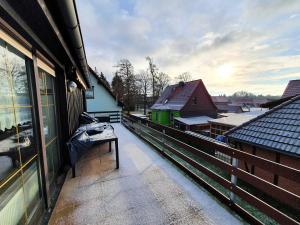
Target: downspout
x: 69, y: 15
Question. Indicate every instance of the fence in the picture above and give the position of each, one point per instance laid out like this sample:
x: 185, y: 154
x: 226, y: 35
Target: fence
x: 107, y: 116
x: 186, y: 151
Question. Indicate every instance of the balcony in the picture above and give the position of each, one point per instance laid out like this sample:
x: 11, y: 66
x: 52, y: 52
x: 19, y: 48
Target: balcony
x: 147, y: 189
x: 162, y: 176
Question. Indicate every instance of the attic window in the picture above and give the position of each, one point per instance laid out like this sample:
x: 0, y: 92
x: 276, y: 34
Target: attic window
x: 195, y: 100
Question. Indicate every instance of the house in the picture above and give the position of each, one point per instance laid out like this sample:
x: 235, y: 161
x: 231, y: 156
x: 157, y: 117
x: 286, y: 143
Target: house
x: 248, y: 101
x: 100, y: 100
x: 273, y: 103
x: 43, y: 77
x: 221, y: 102
x: 228, y: 121
x: 292, y: 89
x: 185, y: 99
x: 275, y: 136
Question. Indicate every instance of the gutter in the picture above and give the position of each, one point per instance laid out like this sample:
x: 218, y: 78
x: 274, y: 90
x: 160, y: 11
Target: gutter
x: 70, y: 18
x: 69, y: 14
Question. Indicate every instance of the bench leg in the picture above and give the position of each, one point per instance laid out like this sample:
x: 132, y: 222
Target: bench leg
x: 73, y: 171
x: 110, y: 146
x: 117, y: 153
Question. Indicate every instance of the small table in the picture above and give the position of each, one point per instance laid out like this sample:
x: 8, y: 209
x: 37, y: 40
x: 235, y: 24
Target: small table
x: 109, y: 140
x: 88, y: 136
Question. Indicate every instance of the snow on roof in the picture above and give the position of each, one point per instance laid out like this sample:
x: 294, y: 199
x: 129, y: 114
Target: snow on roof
x: 276, y: 130
x: 234, y: 119
x: 139, y: 115
x: 253, y: 112
x: 195, y: 120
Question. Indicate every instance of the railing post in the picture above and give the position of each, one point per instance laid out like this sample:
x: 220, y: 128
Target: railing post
x: 139, y: 127
x: 233, y: 179
x: 163, y: 140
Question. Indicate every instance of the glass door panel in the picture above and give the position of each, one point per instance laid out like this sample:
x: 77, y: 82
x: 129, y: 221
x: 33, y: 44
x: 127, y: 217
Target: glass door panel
x: 47, y: 90
x: 18, y: 152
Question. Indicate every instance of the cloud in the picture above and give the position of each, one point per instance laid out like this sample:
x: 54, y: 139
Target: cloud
x: 259, y: 38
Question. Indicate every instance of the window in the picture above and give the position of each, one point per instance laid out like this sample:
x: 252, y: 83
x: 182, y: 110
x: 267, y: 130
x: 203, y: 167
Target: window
x: 89, y: 93
x: 195, y: 100
x: 20, y: 190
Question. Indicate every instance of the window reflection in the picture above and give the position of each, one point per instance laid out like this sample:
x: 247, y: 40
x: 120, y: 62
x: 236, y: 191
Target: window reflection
x: 19, y: 180
x: 16, y: 134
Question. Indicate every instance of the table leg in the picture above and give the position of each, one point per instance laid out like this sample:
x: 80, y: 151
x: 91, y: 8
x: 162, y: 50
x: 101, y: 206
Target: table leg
x: 117, y: 153
x: 110, y: 146
x: 73, y: 171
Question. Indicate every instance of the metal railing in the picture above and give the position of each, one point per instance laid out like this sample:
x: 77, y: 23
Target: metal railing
x: 187, y: 152
x: 112, y: 116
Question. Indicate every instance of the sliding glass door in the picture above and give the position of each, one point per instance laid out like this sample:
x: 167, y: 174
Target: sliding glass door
x: 20, y: 189
x: 47, y: 90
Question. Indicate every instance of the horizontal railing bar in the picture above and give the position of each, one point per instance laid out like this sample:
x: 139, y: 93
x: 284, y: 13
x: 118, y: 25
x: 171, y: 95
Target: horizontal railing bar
x: 106, y: 112
x: 271, y: 166
x: 217, y: 162
x: 268, y: 188
x: 242, y: 212
x: 276, y: 192
x: 264, y: 207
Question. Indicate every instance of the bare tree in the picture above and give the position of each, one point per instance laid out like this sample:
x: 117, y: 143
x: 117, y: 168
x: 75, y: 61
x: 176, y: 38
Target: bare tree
x: 126, y: 72
x: 185, y: 77
x: 144, y: 84
x: 163, y: 81
x: 153, y: 72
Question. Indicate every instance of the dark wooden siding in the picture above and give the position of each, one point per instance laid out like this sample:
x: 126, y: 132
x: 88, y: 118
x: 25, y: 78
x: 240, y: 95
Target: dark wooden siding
x: 203, y: 105
x: 75, y: 102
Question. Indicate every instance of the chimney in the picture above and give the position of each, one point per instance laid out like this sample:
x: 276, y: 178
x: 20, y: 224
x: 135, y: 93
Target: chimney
x: 181, y: 83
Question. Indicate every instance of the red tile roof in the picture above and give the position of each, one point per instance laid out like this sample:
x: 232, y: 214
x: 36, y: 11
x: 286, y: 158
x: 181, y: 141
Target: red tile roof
x: 292, y: 89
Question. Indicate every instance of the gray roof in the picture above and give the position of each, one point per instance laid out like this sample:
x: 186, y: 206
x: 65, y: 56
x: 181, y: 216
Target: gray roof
x: 234, y: 119
x: 176, y: 96
x: 195, y: 120
x: 277, y: 129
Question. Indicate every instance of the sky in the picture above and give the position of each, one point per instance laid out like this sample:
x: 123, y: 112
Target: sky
x: 232, y: 45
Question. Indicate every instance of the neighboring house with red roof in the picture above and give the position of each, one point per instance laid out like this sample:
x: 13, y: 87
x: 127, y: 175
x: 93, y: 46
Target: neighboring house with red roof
x: 275, y: 135
x: 292, y: 89
x: 185, y: 99
x: 221, y: 102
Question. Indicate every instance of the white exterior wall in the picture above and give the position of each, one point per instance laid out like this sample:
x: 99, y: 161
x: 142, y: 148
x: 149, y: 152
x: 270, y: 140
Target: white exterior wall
x: 103, y: 101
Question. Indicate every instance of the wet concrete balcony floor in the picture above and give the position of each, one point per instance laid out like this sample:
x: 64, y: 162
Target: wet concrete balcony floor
x: 147, y: 189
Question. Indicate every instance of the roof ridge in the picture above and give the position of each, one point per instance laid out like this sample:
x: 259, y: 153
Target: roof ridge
x: 263, y: 115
